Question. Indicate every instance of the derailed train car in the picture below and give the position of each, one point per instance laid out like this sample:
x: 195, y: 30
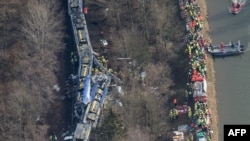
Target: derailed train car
x: 89, y: 117
x: 92, y: 90
x: 97, y: 99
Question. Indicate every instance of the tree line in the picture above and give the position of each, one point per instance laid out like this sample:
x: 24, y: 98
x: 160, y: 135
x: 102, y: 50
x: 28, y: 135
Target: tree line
x: 32, y: 42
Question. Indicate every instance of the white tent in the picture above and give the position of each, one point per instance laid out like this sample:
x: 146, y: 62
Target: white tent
x: 200, y: 88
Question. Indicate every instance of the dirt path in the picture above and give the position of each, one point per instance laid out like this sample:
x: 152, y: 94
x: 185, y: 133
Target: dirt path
x: 212, y: 101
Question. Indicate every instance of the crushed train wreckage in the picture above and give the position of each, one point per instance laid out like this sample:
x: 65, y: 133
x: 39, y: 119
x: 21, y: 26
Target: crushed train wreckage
x: 92, y: 81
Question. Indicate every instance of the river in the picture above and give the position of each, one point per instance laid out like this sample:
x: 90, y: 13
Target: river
x: 232, y: 73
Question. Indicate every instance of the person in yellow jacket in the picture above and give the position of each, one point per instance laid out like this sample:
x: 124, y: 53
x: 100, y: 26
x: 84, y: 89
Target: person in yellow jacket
x: 187, y: 6
x: 189, y: 112
x: 53, y: 137
x: 96, y: 70
x: 208, y: 138
x: 171, y: 114
x: 195, y: 106
x: 186, y: 93
x: 72, y: 61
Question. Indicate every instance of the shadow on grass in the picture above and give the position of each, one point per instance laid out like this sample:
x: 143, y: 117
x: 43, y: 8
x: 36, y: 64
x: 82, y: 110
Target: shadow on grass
x: 179, y: 68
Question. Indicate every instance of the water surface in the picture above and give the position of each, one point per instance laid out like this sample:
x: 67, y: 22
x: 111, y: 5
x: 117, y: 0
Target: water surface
x: 232, y: 73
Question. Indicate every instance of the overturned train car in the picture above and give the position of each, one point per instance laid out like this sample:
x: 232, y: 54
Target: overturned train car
x: 91, y: 93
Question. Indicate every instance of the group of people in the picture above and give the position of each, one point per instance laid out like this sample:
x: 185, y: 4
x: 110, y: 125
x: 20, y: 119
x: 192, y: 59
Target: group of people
x: 173, y: 114
x: 179, y: 109
x: 197, y: 66
x: 201, y: 115
x: 103, y: 62
x: 193, y: 16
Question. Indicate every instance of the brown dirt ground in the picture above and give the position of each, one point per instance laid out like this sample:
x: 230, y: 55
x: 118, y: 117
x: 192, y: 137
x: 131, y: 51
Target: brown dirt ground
x: 212, y: 101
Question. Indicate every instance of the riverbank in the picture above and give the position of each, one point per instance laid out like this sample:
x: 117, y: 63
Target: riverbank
x: 212, y: 100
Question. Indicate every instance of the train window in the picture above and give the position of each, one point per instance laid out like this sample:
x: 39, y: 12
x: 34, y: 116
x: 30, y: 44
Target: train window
x: 79, y: 20
x: 84, y: 70
x: 81, y: 85
x: 98, y: 97
x: 84, y: 46
x: 99, y: 91
x: 91, y: 116
x: 85, y: 59
x: 79, y: 26
x: 81, y: 36
x: 74, y: 4
x: 94, y: 107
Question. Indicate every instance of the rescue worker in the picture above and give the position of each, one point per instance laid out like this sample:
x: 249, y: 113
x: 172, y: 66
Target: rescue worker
x: 232, y: 45
x: 110, y: 70
x: 187, y: 6
x: 96, y: 70
x: 200, y: 17
x: 191, y: 7
x: 75, y: 58
x: 186, y: 93
x: 175, y: 102
x: 189, y: 112
x: 200, y: 25
x: 198, y: 105
x: 205, y: 120
x: 196, y: 27
x: 211, y: 47
x: 189, y: 51
x: 171, y: 114
x: 104, y: 62
x: 190, y: 74
x: 187, y: 85
x: 222, y: 46
x: 195, y: 106
x: 197, y: 52
x: 53, y: 137
x: 195, y: 114
x: 72, y: 60
x: 190, y: 36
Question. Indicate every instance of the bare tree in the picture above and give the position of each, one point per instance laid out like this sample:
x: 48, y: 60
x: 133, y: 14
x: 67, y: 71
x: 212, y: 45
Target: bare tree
x: 42, y: 24
x: 9, y: 19
x: 20, y: 110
